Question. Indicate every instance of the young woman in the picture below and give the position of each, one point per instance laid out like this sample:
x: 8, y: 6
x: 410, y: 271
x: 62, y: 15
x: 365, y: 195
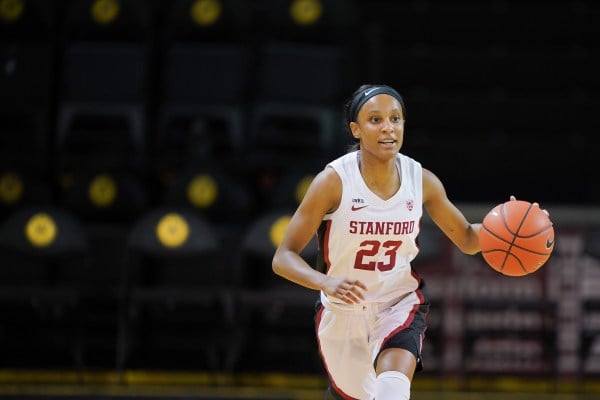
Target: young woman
x: 365, y: 208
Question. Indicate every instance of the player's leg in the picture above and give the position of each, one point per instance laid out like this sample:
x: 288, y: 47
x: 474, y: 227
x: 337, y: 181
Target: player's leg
x: 343, y: 344
x: 401, y: 329
x: 395, y: 370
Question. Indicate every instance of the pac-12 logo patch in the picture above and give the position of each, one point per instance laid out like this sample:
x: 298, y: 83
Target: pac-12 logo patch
x: 410, y: 204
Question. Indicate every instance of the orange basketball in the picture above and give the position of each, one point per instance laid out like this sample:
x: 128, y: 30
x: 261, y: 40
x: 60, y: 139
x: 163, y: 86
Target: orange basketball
x: 516, y: 238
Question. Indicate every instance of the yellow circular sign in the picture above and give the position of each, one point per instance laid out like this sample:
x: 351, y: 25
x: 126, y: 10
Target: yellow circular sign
x: 278, y: 229
x: 302, y: 187
x: 11, y: 188
x: 205, y: 12
x: 105, y: 11
x: 202, y: 191
x: 41, y: 230
x: 306, y: 12
x: 11, y: 10
x: 172, y: 230
x: 102, y: 191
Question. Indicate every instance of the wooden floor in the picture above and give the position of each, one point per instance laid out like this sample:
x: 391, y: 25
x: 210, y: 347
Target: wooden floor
x: 144, y: 385
x: 47, y: 393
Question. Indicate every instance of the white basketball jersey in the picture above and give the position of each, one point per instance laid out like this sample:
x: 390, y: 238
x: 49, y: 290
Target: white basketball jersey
x: 371, y: 239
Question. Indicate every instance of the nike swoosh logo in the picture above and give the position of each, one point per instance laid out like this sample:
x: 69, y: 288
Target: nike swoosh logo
x: 549, y: 243
x: 355, y: 208
x: 368, y: 92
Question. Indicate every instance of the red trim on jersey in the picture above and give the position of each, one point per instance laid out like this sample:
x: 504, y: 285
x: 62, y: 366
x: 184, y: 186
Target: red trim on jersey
x: 337, y: 389
x: 418, y: 292
x: 417, y: 239
x: 411, y: 314
x: 326, y: 245
x: 406, y: 323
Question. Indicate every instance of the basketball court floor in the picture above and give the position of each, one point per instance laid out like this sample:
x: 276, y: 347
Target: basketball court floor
x: 40, y: 385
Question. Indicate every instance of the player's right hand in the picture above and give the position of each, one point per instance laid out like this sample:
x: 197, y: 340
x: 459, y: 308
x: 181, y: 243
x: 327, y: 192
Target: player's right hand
x: 349, y: 291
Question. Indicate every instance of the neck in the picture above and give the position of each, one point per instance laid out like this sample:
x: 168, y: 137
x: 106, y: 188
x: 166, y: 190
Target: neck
x: 382, y: 177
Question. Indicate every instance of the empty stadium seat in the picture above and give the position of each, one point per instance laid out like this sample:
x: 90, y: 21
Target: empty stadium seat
x: 176, y: 308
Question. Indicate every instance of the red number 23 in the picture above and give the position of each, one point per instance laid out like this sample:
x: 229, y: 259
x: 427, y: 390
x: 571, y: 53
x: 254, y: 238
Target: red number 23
x: 370, y: 248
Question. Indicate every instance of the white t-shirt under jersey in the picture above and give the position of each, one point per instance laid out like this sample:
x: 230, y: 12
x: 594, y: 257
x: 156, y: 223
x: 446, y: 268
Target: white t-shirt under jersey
x: 371, y: 239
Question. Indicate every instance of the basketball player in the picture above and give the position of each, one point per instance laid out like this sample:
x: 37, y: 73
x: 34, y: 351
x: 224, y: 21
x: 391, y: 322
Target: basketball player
x: 365, y: 208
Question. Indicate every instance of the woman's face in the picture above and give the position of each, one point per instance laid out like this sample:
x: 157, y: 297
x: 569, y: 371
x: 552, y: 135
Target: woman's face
x: 380, y: 126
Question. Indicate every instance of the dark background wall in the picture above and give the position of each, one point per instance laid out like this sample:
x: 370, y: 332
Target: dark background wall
x: 500, y: 94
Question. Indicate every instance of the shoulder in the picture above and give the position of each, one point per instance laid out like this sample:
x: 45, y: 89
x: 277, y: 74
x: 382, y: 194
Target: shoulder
x: 432, y: 185
x: 429, y: 176
x: 328, y: 178
x: 343, y: 160
x: 345, y: 167
x: 409, y: 160
x: 324, y: 192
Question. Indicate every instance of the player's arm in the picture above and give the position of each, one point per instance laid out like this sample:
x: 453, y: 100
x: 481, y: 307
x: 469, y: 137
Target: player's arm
x: 447, y: 217
x: 322, y: 196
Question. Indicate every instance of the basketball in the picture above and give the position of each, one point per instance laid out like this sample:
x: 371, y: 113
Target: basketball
x: 516, y: 238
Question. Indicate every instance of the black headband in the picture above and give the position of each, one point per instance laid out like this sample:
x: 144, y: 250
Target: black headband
x: 362, y: 97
